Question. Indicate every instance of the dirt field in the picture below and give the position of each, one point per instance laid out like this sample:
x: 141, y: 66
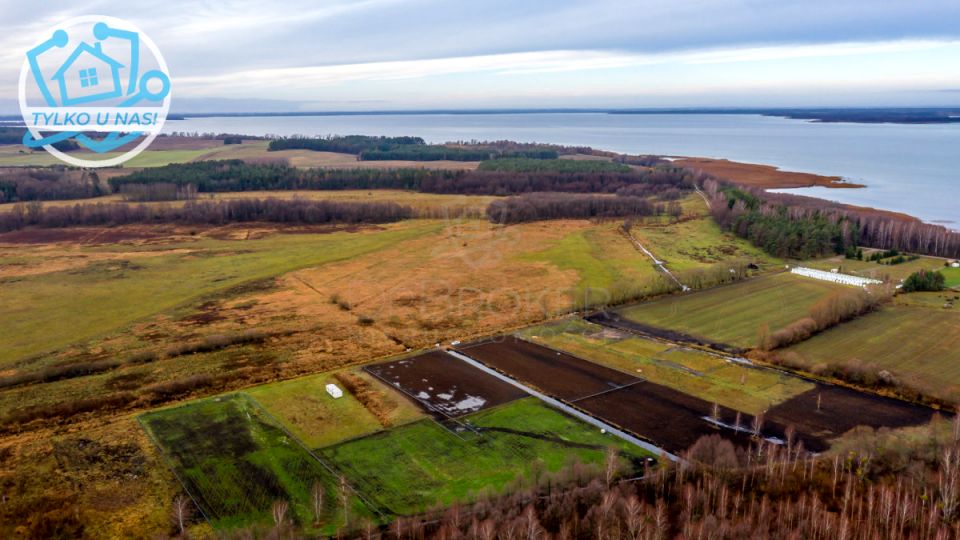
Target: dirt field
x: 842, y: 409
x: 672, y: 420
x: 675, y: 420
x: 559, y: 374
x: 445, y: 385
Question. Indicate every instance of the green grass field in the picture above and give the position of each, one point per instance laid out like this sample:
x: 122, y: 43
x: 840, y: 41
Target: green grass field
x: 874, y: 270
x: 236, y: 462
x: 309, y: 412
x: 601, y: 256
x: 919, y: 344
x: 49, y: 311
x: 693, y: 372
x: 952, y: 276
x: 733, y: 314
x: 696, y: 243
x: 11, y: 156
x: 419, y: 465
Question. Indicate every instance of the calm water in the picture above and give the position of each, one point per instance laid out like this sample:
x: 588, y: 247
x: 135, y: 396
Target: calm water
x: 907, y: 168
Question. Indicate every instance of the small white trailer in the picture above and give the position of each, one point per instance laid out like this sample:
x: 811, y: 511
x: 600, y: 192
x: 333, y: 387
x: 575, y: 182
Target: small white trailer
x: 334, y: 391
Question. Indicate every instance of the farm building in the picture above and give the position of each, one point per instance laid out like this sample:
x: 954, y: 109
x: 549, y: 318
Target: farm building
x: 834, y: 277
x: 334, y: 391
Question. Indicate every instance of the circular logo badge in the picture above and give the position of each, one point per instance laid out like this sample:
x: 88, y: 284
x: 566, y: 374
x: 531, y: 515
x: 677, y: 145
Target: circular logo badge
x: 94, y: 92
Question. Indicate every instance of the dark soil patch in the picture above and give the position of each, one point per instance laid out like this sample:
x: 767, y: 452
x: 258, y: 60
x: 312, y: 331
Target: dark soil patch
x: 614, y: 320
x: 556, y: 373
x: 670, y: 419
x: 445, y: 385
x: 842, y: 409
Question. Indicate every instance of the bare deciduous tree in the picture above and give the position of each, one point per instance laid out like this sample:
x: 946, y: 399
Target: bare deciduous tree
x: 182, y: 509
x: 279, y: 512
x: 316, y: 500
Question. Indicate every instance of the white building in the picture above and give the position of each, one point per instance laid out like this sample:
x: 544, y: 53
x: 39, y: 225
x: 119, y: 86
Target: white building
x: 334, y: 391
x: 843, y: 279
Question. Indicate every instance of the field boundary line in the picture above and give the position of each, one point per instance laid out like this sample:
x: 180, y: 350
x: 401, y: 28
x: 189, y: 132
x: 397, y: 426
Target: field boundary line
x: 656, y: 262
x: 167, y: 460
x: 609, y: 390
x: 576, y: 413
x: 332, y: 470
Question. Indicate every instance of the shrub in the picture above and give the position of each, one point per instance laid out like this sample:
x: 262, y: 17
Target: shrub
x: 924, y: 281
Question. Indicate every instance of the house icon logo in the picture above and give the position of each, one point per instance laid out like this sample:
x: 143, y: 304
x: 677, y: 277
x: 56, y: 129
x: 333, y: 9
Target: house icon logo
x: 83, y: 85
x: 98, y: 81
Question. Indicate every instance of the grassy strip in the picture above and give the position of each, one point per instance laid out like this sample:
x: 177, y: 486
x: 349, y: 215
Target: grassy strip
x: 692, y: 372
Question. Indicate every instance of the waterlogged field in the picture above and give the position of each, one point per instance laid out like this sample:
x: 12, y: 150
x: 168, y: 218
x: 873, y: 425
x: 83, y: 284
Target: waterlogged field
x: 445, y: 385
x: 235, y: 461
x: 734, y: 314
x: 697, y: 373
x: 417, y: 466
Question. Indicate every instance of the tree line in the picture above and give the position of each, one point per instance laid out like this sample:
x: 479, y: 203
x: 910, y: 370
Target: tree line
x: 300, y: 211
x: 14, y: 135
x: 543, y: 206
x: 237, y: 175
x: 526, y: 165
x: 803, y: 227
x: 379, y: 148
x: 828, y: 312
x: 345, y: 144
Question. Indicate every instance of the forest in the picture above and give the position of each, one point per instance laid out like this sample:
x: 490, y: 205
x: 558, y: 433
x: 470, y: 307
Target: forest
x: 347, y: 144
x: 48, y: 184
x: 803, y: 227
x: 237, y: 175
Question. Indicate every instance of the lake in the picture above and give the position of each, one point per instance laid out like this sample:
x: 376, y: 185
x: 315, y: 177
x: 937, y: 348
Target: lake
x: 907, y: 168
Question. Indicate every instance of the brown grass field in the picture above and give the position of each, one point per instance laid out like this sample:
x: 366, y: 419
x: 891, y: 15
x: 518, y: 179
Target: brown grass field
x: 762, y: 176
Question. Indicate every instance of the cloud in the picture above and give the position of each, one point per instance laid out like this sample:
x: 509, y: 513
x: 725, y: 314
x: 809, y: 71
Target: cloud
x: 302, y: 78
x: 243, y: 48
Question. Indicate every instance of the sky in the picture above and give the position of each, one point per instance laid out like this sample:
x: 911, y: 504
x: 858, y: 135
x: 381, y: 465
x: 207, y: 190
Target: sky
x: 303, y: 55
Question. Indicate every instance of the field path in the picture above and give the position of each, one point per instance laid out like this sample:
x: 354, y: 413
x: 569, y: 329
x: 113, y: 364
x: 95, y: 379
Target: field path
x: 566, y: 408
x: 659, y: 264
x: 703, y: 196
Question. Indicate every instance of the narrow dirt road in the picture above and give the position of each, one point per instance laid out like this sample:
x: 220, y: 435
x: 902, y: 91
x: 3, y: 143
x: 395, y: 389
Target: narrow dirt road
x: 657, y: 262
